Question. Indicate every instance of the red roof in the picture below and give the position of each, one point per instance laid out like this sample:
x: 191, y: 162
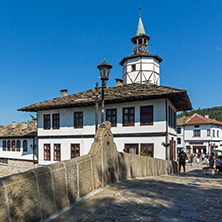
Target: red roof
x: 198, y: 119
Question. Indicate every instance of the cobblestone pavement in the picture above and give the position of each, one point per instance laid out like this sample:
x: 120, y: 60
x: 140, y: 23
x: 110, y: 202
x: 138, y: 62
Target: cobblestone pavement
x: 189, y: 197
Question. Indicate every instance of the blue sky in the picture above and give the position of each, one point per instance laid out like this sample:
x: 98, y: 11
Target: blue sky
x: 48, y: 45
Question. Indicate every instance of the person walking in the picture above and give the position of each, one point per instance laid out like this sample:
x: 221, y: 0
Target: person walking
x: 191, y: 159
x: 182, y: 160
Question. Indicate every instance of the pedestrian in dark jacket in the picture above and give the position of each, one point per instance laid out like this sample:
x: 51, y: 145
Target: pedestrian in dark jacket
x: 182, y: 160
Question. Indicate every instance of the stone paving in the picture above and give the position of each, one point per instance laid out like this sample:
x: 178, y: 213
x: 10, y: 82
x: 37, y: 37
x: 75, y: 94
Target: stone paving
x: 189, y: 197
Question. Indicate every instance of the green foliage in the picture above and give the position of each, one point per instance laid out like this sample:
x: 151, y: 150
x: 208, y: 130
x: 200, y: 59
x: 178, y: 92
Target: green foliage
x: 214, y: 113
x: 143, y: 153
x: 165, y: 144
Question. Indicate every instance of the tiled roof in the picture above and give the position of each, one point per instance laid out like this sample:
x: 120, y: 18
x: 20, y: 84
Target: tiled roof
x: 120, y: 94
x: 198, y: 119
x: 181, y: 120
x: 19, y: 130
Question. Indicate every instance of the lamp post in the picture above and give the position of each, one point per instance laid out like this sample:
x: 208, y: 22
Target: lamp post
x: 104, y: 69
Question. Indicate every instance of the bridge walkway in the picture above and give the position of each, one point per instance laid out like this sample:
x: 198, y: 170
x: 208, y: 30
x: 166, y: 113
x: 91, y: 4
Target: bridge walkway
x: 189, y: 197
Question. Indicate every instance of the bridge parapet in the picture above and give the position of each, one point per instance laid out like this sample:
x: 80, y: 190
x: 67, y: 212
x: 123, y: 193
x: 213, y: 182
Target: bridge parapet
x: 36, y: 194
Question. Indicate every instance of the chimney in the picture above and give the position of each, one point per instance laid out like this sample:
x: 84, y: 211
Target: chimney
x: 119, y: 82
x: 13, y: 124
x: 24, y: 126
x: 64, y: 92
x: 206, y: 116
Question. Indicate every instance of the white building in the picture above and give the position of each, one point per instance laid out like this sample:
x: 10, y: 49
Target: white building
x: 18, y: 142
x: 142, y: 113
x: 198, y: 134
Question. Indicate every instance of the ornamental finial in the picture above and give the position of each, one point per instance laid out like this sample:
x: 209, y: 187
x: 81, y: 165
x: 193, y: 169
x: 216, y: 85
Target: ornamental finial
x: 139, y: 12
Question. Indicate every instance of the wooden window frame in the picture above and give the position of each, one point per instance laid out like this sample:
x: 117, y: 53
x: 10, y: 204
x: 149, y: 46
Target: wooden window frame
x: 218, y: 133
x: 195, y: 133
x: 112, y: 115
x: 129, y: 108
x: 179, y: 130
x: 46, y: 122
x: 75, y: 149
x: 213, y: 133
x: 57, y: 152
x: 77, y: 118
x: 147, y: 113
x: 127, y: 147
x: 18, y: 145
x: 25, y: 145
x: 4, y: 145
x: 13, y: 145
x: 49, y: 151
x: 133, y: 67
x: 147, y: 144
x: 8, y: 145
x: 178, y: 140
x: 55, y: 121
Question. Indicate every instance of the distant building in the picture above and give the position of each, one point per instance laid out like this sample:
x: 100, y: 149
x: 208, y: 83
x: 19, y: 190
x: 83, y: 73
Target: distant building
x: 142, y: 113
x: 18, y: 142
x: 198, y: 134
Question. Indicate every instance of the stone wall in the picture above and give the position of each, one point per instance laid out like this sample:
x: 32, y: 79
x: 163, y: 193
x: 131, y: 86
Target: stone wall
x: 36, y: 194
x: 9, y: 167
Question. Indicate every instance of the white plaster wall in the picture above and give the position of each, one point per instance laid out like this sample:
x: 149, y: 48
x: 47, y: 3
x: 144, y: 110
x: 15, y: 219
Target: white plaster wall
x: 65, y: 146
x: 67, y: 129
x: 17, y: 154
x: 159, y: 150
x: 67, y: 121
x: 146, y: 65
x: 203, y: 134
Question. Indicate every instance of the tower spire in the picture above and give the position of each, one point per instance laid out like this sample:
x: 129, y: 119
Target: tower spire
x: 140, y: 28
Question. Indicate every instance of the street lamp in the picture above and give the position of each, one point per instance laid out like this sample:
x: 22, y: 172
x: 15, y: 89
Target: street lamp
x: 104, y: 69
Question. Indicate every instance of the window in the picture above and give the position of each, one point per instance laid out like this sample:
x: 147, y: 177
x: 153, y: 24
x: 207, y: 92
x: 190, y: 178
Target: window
x: 196, y: 126
x: 46, y: 121
x: 57, y: 152
x: 213, y: 133
x: 146, y: 115
x: 13, y: 145
x: 196, y: 133
x: 18, y: 145
x: 55, y: 121
x: 78, y: 119
x: 133, y: 68
x: 172, y: 118
x: 75, y: 150
x: 111, y: 115
x: 25, y: 146
x: 47, y: 152
x: 217, y: 133
x: 147, y: 149
x: 178, y: 130
x: 208, y: 132
x: 131, y: 148
x: 178, y: 140
x: 8, y: 145
x: 128, y: 116
x: 4, y: 145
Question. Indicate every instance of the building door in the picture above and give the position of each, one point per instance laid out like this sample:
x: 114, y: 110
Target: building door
x: 131, y: 148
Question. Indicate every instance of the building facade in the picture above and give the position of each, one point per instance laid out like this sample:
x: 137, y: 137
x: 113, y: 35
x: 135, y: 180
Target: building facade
x: 198, y: 134
x: 142, y: 113
x: 18, y: 142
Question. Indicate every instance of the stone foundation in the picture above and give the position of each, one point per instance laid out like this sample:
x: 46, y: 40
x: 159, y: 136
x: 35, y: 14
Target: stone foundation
x: 36, y: 194
x: 9, y: 167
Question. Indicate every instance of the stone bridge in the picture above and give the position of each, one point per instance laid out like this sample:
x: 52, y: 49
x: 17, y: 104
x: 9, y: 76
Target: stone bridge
x: 189, y: 197
x: 38, y: 194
